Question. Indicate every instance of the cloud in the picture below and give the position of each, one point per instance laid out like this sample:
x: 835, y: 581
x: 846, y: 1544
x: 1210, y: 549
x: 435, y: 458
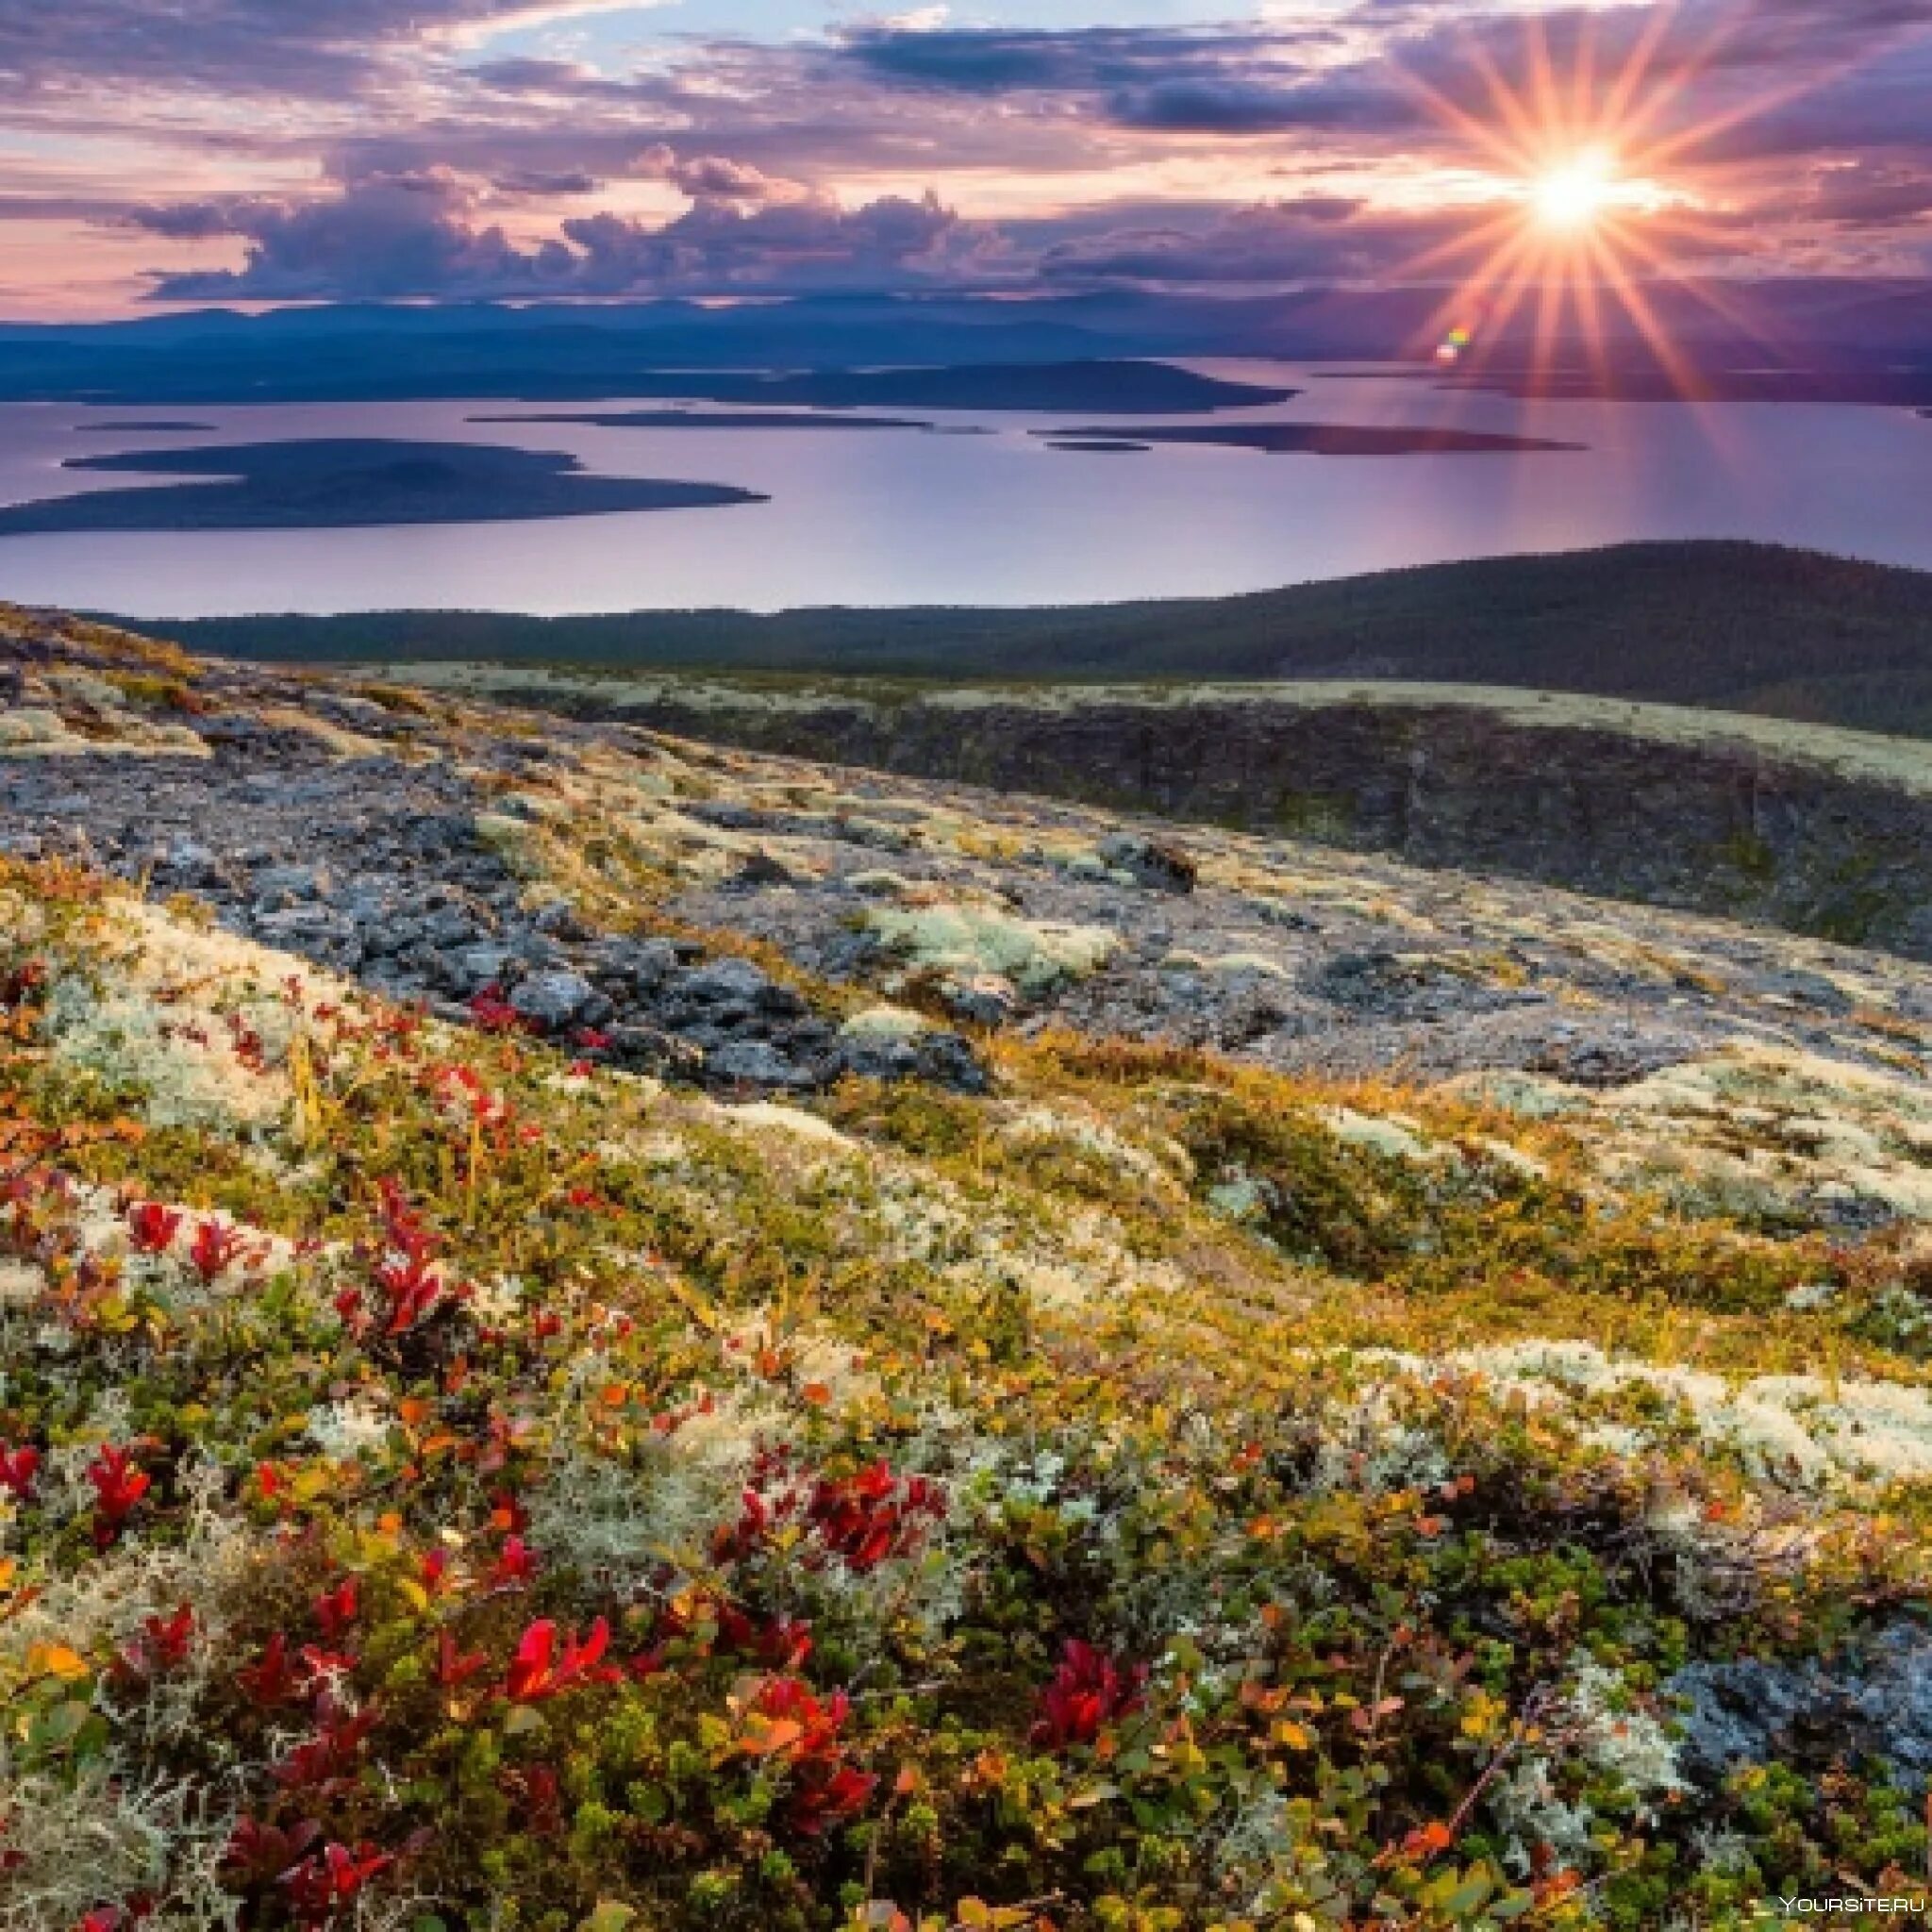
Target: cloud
x: 1093, y: 61
x: 1869, y: 194
x: 714, y: 178
x: 1802, y: 73
x: 1797, y: 126
x: 535, y: 184
x: 423, y: 235
x: 483, y: 22
x: 386, y: 236
x: 1273, y: 244
x: 298, y: 48
x: 785, y: 247
x: 528, y: 74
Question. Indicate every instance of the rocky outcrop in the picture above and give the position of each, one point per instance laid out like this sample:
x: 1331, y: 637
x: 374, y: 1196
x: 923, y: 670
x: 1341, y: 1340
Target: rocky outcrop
x: 315, y: 821
x: 1792, y: 829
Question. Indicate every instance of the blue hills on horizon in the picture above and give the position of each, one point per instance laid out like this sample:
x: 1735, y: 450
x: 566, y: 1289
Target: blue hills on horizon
x: 1865, y: 339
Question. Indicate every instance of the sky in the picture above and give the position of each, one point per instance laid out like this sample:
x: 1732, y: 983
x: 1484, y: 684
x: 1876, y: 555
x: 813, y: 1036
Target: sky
x: 169, y: 152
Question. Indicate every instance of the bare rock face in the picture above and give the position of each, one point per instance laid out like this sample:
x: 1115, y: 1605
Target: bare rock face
x: 1639, y: 803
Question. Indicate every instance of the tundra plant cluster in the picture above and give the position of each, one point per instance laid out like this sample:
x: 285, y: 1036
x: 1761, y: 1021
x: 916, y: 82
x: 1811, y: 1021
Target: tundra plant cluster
x: 445, y: 1484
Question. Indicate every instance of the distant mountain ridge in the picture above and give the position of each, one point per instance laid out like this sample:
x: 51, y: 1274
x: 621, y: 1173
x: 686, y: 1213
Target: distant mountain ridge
x: 1814, y: 326
x: 1737, y: 627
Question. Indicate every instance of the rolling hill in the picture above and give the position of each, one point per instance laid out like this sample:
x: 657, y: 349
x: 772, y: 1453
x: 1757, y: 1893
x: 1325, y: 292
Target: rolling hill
x: 1739, y: 627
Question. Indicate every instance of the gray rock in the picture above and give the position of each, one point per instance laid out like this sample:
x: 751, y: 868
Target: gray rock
x: 725, y: 981
x: 298, y: 923
x: 553, y: 999
x: 476, y: 967
x: 537, y: 952
x: 1810, y: 990
x: 449, y: 926
x: 654, y: 1050
x: 1158, y: 867
x: 985, y: 1000
x: 640, y: 963
x: 944, y: 1058
x: 1873, y: 1699
x: 755, y: 1063
x: 722, y: 814
x: 190, y: 863
x: 762, y: 870
x: 559, y: 919
x: 277, y: 886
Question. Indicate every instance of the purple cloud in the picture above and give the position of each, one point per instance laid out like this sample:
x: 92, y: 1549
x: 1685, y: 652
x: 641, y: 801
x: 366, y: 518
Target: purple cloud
x: 715, y: 177
x: 423, y: 235
x: 1312, y: 239
x: 385, y: 236
x: 1797, y: 126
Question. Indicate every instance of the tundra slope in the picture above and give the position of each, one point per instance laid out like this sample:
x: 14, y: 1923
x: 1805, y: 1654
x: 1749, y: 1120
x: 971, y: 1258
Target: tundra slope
x: 446, y: 1472
x: 1814, y: 828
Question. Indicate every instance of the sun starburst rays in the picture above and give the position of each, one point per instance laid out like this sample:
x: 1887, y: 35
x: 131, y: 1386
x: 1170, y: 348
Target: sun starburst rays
x: 1585, y: 159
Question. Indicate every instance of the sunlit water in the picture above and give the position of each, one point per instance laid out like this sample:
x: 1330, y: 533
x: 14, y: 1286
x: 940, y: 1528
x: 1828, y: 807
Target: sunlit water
x: 888, y: 518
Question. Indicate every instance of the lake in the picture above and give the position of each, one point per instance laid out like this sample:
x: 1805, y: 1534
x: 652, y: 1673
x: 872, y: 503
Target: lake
x: 903, y: 517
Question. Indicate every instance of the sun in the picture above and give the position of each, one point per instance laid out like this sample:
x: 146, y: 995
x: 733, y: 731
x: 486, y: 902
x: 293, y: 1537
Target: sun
x: 1577, y: 194
x: 1586, y: 157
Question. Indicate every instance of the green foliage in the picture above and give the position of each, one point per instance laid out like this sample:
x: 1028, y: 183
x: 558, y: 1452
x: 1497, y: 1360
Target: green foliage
x: 1090, y: 1504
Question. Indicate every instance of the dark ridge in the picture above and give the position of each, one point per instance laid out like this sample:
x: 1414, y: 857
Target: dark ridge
x: 1739, y: 627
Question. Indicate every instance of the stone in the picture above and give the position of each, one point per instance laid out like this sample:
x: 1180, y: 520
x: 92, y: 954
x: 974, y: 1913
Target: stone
x: 558, y: 920
x: 305, y: 923
x: 1873, y: 1699
x: 449, y: 926
x: 756, y: 1063
x: 1158, y: 867
x: 640, y: 963
x: 479, y: 966
x: 185, y: 860
x: 987, y: 999
x: 725, y: 981
x: 653, y: 1049
x: 277, y: 886
x: 762, y: 869
x: 553, y: 999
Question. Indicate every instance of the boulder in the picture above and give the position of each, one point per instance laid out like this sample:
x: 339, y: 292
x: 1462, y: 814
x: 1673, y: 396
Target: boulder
x: 1156, y: 867
x: 553, y: 999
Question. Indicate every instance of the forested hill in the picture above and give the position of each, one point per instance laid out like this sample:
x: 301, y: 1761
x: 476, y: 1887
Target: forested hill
x: 1743, y: 627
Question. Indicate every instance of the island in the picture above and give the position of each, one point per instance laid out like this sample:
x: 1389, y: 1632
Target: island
x: 350, y: 485
x: 163, y: 429
x: 1126, y: 386
x: 715, y: 419
x: 1305, y: 438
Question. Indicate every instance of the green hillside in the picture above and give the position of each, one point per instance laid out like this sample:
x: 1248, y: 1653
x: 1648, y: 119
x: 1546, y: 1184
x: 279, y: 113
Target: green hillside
x: 1788, y: 633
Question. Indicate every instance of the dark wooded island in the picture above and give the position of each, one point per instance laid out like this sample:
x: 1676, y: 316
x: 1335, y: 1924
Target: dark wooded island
x: 352, y: 484
x: 713, y: 419
x: 1306, y: 438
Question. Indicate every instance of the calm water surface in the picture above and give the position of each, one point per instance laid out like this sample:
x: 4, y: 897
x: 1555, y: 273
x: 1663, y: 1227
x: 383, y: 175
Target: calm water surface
x: 902, y: 518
